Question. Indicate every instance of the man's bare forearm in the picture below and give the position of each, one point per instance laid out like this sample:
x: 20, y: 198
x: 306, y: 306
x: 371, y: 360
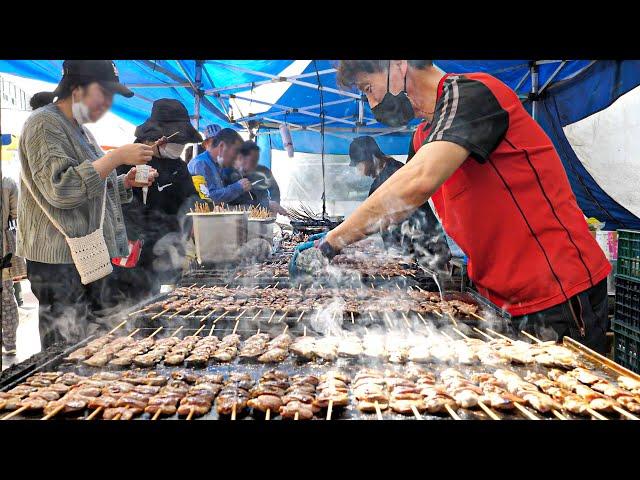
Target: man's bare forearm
x: 401, y: 194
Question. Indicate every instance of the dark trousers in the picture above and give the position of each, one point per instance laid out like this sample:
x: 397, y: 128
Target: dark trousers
x: 68, y: 310
x: 129, y: 286
x: 584, y: 318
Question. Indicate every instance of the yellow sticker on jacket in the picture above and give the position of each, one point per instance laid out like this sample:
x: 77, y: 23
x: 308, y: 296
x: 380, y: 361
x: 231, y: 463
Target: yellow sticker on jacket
x: 201, y: 186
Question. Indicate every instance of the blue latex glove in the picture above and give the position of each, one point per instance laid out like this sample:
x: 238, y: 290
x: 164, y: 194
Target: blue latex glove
x: 316, y: 236
x: 293, y: 269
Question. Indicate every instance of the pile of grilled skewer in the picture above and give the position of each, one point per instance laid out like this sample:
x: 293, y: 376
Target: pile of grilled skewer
x: 413, y: 391
x: 351, y: 300
x: 303, y: 214
x: 255, y: 212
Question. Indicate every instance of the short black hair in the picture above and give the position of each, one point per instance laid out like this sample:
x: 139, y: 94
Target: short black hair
x: 348, y: 70
x: 248, y: 147
x: 228, y: 136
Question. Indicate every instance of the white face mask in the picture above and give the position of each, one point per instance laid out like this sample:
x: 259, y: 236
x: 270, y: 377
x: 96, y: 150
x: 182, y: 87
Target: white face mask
x: 80, y: 112
x: 220, y: 158
x: 171, y: 150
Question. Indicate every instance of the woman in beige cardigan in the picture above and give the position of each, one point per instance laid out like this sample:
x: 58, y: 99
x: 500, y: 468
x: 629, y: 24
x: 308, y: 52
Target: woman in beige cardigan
x: 65, y: 173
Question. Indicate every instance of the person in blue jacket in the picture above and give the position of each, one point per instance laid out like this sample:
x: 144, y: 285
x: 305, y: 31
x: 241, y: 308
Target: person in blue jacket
x: 221, y: 150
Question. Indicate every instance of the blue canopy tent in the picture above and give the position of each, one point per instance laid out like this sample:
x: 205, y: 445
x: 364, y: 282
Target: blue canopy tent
x: 556, y: 92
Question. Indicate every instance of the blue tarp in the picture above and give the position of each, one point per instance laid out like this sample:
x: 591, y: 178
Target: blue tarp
x: 577, y: 91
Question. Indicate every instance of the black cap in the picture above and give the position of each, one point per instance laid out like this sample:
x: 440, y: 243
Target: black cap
x: 363, y: 149
x: 168, y: 116
x: 101, y: 71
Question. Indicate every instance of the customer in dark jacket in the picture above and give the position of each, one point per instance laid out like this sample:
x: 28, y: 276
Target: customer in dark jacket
x: 421, y: 230
x: 160, y: 220
x: 265, y: 191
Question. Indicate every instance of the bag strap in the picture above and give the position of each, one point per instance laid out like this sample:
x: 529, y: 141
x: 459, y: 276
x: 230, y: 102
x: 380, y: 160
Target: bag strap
x: 51, y: 219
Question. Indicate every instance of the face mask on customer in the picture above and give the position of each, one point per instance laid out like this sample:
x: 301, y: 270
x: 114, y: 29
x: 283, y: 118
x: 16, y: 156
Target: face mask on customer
x: 80, y: 111
x: 171, y: 150
x: 220, y: 158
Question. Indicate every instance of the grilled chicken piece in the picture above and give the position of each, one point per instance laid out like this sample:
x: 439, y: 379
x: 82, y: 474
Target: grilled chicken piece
x: 305, y: 411
x: 266, y: 402
x: 404, y: 406
x: 210, y: 378
x: 126, y: 413
x: 350, y: 347
x: 33, y: 403
x: 585, y: 376
x: 70, y: 379
x: 303, y: 347
x: 45, y: 394
x: 367, y: 406
x: 103, y: 401
x: 105, y: 376
x: 273, y: 355
x: 630, y: 384
x: 326, y: 348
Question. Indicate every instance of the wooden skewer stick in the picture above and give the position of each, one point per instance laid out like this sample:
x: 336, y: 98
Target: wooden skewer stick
x: 460, y: 333
x: 478, y: 317
x: 386, y: 317
x: 329, y: 409
x: 451, y: 412
x: 525, y: 412
x: 178, y: 312
x: 157, y: 414
x: 192, y: 313
x: 352, y: 320
x: 452, y: 319
x: 220, y: 317
x: 371, y: 316
x: 177, y: 331
x: 304, y: 331
x: 296, y: 416
x: 138, y: 311
x: 160, y: 314
x: 273, y: 314
x: 117, y: 417
x: 286, y: 327
x: 558, y: 414
x: 624, y: 413
x: 422, y: 318
x: 416, y: 413
x: 277, y: 283
x: 300, y: 317
x: 537, y: 340
x: 488, y: 411
x: 499, y: 335
x: 482, y: 333
x: 208, y: 315
x: 156, y: 332
x: 134, y: 332
x: 54, y: 413
x: 191, y: 412
x: 447, y: 336
x: 258, y: 331
x: 192, y: 285
x: 235, y: 327
x: 203, y: 286
x: 595, y: 414
x: 282, y: 317
x: 233, y: 412
x: 256, y: 315
x: 406, y: 320
x: 94, y: 413
x: 378, y: 411
x: 15, y: 412
x: 267, y: 415
x: 198, y: 331
x: 213, y: 327
x: 437, y: 313
x: 117, y: 327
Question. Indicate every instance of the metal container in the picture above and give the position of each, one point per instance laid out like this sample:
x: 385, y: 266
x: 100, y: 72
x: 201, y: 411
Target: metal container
x: 219, y: 236
x: 261, y: 228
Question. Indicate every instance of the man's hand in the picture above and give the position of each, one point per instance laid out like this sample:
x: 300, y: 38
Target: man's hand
x: 311, y: 256
x: 245, y: 184
x: 129, y: 179
x: 277, y: 208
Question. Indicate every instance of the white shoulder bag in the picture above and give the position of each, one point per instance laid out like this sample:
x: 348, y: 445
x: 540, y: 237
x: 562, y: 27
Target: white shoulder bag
x: 90, y: 253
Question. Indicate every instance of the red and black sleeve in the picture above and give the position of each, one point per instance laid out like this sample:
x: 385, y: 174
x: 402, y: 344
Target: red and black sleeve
x: 468, y: 114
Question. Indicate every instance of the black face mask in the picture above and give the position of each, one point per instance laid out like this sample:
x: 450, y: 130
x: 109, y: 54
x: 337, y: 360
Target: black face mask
x: 394, y: 110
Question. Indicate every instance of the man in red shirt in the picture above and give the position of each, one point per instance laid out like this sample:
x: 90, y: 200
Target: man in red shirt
x: 499, y: 188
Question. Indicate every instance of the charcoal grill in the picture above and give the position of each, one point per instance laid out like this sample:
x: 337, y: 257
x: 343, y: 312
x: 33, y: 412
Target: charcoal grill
x: 295, y: 367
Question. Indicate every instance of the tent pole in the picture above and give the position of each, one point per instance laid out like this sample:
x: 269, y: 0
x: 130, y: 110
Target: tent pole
x: 198, y: 92
x: 534, y: 90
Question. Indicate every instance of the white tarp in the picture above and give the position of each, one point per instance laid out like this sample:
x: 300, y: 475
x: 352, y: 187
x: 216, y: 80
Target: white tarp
x: 608, y: 145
